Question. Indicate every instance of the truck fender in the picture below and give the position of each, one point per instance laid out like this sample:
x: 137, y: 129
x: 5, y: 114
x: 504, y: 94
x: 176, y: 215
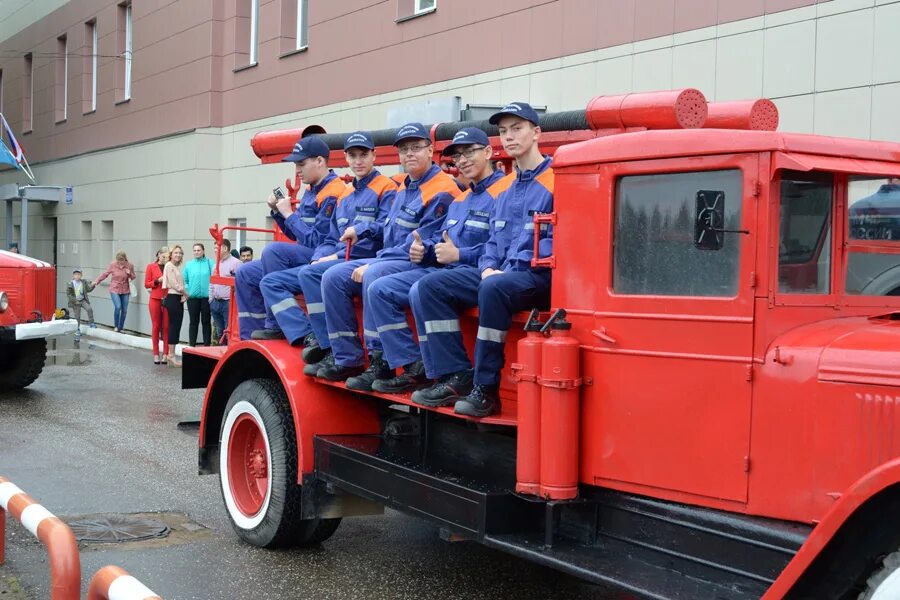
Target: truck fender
x: 318, y: 408
x: 865, y: 488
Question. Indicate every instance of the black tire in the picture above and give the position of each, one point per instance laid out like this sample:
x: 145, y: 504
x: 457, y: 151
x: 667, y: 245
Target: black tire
x: 263, y: 404
x: 21, y: 363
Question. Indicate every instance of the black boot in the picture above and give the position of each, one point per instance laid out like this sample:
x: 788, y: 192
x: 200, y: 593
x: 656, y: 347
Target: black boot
x: 336, y: 372
x: 446, y: 391
x: 378, y: 369
x: 312, y: 351
x: 267, y: 334
x: 313, y: 369
x: 413, y: 376
x: 483, y: 401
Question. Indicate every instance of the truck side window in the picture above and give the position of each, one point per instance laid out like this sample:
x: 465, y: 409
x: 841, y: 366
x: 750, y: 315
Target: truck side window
x: 804, y: 256
x: 873, y: 219
x: 654, y: 251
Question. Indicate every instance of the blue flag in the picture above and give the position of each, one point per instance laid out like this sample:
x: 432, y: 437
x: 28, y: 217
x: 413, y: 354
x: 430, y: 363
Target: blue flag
x: 6, y: 157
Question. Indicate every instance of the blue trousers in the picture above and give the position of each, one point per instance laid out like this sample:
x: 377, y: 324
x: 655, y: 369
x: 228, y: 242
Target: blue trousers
x: 219, y: 311
x: 310, y: 280
x: 120, y: 309
x: 389, y: 297
x: 278, y: 290
x: 440, y: 296
x: 253, y: 313
x: 338, y: 290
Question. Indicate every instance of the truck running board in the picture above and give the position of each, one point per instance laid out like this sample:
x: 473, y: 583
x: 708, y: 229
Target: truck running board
x: 650, y: 548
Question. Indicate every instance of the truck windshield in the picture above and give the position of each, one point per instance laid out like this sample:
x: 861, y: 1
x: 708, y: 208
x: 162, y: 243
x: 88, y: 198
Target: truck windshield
x: 873, y: 260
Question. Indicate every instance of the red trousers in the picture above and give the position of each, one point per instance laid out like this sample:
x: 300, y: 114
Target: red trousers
x: 160, y: 318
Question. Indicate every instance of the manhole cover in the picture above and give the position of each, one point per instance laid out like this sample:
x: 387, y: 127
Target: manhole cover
x: 117, y: 529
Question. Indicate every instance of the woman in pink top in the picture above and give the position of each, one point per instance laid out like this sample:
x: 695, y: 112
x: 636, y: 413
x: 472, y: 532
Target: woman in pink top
x: 121, y: 272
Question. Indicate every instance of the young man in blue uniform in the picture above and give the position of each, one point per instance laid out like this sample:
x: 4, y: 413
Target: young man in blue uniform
x: 421, y: 205
x: 307, y: 227
x: 358, y: 221
x: 459, y: 244
x: 503, y: 283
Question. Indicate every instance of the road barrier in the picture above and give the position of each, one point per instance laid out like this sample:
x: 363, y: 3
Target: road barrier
x: 62, y: 550
x: 114, y: 583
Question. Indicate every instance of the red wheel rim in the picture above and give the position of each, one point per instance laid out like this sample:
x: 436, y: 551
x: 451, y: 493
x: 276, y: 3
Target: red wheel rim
x: 248, y: 465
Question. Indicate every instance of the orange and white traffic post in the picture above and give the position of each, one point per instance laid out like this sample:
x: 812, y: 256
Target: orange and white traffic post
x: 114, y: 583
x: 62, y: 549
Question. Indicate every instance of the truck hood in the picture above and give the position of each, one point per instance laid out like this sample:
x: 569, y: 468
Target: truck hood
x: 867, y: 354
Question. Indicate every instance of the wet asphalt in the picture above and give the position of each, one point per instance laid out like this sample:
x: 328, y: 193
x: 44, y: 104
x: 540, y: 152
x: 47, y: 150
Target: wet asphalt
x: 97, y: 433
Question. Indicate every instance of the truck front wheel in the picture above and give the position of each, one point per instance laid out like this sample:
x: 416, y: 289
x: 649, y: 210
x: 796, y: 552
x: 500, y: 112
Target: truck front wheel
x: 258, y: 470
x: 884, y: 584
x: 21, y: 363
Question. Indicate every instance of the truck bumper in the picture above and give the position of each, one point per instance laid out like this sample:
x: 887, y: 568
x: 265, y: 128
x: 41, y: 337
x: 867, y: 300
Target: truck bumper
x: 46, y: 329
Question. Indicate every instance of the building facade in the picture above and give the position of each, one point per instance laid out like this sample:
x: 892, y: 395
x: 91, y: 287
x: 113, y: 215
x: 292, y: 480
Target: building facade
x: 147, y: 107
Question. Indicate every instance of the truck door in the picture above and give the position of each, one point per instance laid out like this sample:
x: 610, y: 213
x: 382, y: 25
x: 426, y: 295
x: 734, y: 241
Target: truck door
x: 672, y: 388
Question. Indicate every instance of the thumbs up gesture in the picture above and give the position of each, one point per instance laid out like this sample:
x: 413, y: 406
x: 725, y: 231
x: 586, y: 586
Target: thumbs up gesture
x: 446, y: 252
x: 417, y: 249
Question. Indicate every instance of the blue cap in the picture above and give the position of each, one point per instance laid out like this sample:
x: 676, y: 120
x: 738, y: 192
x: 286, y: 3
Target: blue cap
x: 516, y: 109
x: 306, y: 147
x: 466, y: 136
x: 359, y: 139
x: 411, y: 131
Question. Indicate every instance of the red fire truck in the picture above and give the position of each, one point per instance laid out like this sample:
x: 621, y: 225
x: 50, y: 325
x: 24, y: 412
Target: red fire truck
x: 27, y: 306
x: 710, y: 409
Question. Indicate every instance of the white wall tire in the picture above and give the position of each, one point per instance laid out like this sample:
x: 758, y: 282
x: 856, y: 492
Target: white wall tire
x: 884, y: 584
x: 237, y: 493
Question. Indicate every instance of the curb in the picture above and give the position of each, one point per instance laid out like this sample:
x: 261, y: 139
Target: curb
x: 124, y: 339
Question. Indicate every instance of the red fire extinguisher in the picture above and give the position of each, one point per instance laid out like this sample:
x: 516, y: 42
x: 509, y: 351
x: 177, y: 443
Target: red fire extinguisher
x: 560, y: 408
x: 528, y: 392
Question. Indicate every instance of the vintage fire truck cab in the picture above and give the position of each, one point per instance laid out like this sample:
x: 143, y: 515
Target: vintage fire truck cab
x: 710, y: 411
x: 27, y: 306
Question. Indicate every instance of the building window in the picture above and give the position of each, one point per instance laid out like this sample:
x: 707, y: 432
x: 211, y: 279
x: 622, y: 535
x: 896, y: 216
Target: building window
x: 27, y: 92
x: 425, y: 6
x: 294, y: 26
x: 89, y: 68
x: 61, y: 76
x: 410, y: 9
x: 239, y: 237
x: 124, y: 50
x: 1, y: 90
x: 246, y: 33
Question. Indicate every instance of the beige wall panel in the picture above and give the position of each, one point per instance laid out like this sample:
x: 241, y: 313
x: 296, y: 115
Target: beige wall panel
x: 844, y: 50
x: 694, y: 65
x: 796, y: 113
x: 739, y: 66
x: 844, y: 113
x: 614, y: 75
x: 652, y: 71
x: 885, y: 106
x: 790, y: 60
x: 510, y: 89
x: 578, y: 85
x: 886, y: 64
x: 824, y: 9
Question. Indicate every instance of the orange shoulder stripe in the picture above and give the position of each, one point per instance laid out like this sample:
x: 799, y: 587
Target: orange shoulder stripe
x: 546, y: 179
x: 382, y: 184
x: 437, y: 184
x: 336, y: 187
x: 501, y: 185
x: 462, y: 197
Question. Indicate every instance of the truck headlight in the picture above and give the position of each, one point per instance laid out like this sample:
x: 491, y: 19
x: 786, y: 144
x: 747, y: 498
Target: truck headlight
x: 4, y: 302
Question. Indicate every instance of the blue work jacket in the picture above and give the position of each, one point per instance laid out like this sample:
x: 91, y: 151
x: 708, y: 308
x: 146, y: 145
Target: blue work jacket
x: 420, y: 205
x: 511, y: 245
x: 364, y: 206
x: 468, y: 221
x: 309, y: 223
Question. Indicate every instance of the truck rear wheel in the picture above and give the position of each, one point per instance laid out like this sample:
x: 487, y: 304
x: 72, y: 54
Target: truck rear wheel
x: 884, y: 584
x: 21, y: 363
x: 258, y: 470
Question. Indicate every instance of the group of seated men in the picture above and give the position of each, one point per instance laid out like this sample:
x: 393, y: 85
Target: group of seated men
x: 426, y: 246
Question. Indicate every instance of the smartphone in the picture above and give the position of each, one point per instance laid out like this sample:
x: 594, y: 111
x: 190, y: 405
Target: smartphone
x: 278, y: 193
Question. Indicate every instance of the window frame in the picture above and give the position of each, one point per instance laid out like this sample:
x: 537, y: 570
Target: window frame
x: 736, y: 307
x: 419, y: 10
x: 302, y: 26
x: 129, y: 51
x: 61, y: 77
x: 95, y: 63
x: 253, y: 48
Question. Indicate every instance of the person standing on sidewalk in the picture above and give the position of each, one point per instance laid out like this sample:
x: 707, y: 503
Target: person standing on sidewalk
x: 219, y: 295
x: 153, y: 281
x: 77, y: 291
x: 121, y: 272
x: 173, y: 283
x: 196, y: 284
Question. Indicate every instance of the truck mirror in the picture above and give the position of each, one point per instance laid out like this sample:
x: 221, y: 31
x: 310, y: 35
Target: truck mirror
x: 709, y: 219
